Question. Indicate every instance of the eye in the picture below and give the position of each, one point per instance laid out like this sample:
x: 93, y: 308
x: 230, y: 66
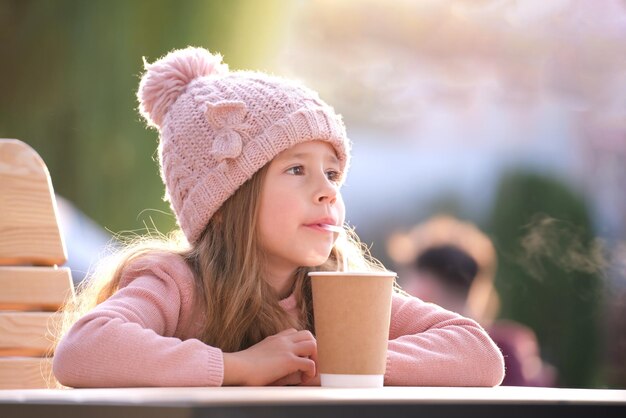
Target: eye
x: 297, y: 170
x: 334, y: 176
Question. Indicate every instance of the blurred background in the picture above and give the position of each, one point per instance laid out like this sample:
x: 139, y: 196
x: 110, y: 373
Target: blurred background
x: 507, y: 115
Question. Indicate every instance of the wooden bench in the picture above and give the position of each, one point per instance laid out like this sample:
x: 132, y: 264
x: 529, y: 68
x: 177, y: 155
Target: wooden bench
x: 32, y: 285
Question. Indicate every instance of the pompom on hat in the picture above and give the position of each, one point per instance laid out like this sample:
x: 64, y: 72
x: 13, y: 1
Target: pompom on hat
x: 217, y: 128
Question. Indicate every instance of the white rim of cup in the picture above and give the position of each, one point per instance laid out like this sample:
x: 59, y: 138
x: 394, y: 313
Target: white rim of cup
x: 352, y: 380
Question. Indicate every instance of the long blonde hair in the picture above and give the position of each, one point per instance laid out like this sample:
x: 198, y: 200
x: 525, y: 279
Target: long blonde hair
x: 240, y: 307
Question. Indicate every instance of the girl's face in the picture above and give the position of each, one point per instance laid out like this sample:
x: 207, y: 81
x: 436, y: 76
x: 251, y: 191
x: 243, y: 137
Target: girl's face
x: 299, y: 193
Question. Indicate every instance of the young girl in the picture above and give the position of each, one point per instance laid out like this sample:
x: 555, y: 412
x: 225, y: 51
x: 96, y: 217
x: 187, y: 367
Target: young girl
x: 252, y: 166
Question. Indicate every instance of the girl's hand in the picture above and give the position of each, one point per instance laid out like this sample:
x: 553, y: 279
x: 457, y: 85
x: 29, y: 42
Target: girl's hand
x: 298, y: 378
x: 312, y: 382
x: 287, y: 358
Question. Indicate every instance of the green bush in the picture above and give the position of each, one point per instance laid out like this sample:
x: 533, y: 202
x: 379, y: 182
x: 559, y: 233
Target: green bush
x: 549, y: 272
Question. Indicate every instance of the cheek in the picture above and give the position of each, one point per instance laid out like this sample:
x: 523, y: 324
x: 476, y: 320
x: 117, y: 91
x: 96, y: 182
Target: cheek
x: 276, y: 212
x: 279, y: 206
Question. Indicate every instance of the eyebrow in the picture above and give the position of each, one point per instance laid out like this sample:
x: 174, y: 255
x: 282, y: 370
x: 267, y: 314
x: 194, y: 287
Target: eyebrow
x: 302, y: 155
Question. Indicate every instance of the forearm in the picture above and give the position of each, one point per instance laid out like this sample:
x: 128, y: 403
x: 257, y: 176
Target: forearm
x: 460, y: 355
x: 430, y: 346
x: 105, y: 352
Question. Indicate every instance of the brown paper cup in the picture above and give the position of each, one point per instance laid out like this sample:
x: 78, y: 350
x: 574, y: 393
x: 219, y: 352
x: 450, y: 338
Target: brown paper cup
x: 352, y: 313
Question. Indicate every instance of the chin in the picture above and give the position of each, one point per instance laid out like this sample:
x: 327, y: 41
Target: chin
x: 315, y: 260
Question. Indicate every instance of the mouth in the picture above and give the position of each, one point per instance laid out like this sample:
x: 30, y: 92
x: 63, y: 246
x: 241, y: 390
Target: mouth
x: 325, y: 226
x: 332, y: 228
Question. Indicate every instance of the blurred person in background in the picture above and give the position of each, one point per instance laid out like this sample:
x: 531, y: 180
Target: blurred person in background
x: 452, y: 263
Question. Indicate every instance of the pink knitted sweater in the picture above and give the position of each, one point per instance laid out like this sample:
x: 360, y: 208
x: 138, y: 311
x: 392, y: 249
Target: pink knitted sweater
x: 144, y: 335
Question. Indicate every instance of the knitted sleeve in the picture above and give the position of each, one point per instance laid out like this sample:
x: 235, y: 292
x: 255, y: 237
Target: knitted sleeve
x: 430, y: 346
x: 133, y: 338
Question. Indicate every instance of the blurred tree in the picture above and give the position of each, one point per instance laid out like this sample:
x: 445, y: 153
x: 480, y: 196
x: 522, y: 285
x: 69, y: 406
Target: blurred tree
x: 69, y: 74
x: 548, y: 272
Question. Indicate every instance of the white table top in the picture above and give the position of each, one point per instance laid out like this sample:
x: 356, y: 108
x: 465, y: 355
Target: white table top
x: 314, y: 395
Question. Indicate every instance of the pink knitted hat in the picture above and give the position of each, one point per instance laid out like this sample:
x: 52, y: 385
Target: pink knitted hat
x: 217, y: 128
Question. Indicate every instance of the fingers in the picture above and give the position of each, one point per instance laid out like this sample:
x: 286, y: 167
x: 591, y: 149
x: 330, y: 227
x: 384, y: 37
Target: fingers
x: 289, y: 353
x: 289, y: 380
x: 302, y: 336
x: 306, y: 349
x: 304, y: 372
x: 302, y: 343
x: 311, y: 382
x: 296, y: 335
x: 288, y: 331
x: 307, y: 367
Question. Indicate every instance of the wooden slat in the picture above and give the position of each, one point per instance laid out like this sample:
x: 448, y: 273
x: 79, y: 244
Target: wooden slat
x: 34, y: 288
x: 26, y: 373
x: 29, y: 232
x: 27, y: 334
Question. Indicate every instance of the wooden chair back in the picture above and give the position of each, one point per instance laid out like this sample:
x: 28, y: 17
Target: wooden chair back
x: 33, y: 286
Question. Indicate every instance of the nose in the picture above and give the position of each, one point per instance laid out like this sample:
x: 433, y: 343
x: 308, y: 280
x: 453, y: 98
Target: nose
x: 326, y: 191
